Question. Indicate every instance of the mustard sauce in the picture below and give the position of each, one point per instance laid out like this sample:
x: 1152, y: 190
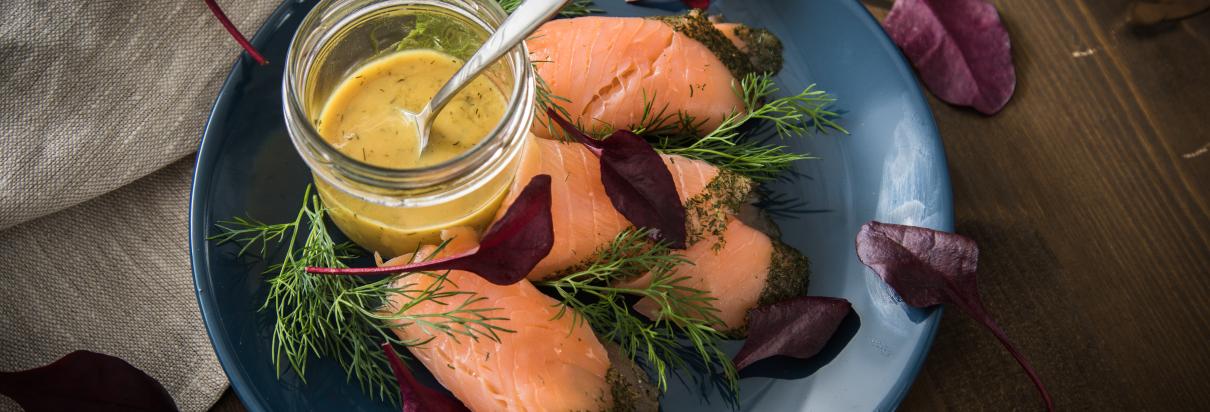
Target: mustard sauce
x: 362, y: 119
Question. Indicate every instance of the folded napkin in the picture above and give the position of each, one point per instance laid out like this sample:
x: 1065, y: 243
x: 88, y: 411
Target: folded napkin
x: 101, y: 103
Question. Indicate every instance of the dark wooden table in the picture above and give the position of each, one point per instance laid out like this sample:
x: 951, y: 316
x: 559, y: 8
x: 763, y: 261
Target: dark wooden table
x: 1088, y: 197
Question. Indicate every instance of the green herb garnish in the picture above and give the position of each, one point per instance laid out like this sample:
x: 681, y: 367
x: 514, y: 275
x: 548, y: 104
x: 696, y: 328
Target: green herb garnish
x: 686, y: 314
x: 793, y: 115
x: 339, y: 316
x: 664, y: 125
x: 462, y: 319
x: 248, y: 231
x: 545, y: 99
x: 730, y: 146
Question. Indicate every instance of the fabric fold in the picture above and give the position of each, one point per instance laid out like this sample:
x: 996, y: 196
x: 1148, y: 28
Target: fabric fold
x: 101, y: 104
x: 97, y: 94
x: 111, y: 275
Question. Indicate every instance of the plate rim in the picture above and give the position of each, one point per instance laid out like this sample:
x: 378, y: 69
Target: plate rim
x: 210, y: 318
x: 945, y: 201
x: 245, y: 391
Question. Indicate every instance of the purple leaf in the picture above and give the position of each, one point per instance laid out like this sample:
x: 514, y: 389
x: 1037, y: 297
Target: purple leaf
x: 506, y: 253
x: 797, y: 328
x: 638, y: 183
x: 960, y: 49
x: 86, y: 381
x: 414, y: 396
x: 926, y: 268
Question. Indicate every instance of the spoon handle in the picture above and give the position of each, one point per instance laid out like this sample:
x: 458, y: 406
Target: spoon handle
x: 523, y: 22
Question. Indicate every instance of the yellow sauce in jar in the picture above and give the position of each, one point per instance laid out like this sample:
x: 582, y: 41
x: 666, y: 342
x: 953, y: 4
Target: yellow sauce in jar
x: 362, y: 119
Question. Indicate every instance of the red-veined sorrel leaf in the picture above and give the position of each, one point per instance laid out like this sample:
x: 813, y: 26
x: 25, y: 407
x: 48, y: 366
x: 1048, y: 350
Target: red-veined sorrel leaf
x: 239, y: 38
x: 86, y: 381
x: 638, y: 183
x: 926, y: 268
x: 959, y: 47
x: 414, y: 396
x: 507, y: 251
x: 797, y: 328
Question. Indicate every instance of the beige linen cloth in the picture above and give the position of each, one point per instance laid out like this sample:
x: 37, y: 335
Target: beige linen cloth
x: 101, y: 104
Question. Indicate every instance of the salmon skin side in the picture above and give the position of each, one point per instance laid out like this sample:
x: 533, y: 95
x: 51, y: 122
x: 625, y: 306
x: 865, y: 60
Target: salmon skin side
x: 607, y: 68
x: 584, y: 219
x: 545, y: 364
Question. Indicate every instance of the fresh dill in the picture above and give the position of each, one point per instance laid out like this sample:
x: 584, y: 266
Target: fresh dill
x: 248, y: 231
x: 462, y: 319
x: 736, y: 144
x: 340, y: 316
x: 661, y: 124
x: 756, y: 160
x: 576, y: 8
x: 792, y: 115
x: 686, y: 315
x: 544, y: 98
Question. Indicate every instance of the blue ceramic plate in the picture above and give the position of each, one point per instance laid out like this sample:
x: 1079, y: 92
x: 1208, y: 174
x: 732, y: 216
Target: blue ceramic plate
x: 891, y: 168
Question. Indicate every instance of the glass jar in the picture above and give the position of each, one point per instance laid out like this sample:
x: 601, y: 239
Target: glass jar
x: 389, y: 210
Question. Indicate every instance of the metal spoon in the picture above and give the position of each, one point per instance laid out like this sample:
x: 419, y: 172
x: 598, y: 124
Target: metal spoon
x: 515, y: 29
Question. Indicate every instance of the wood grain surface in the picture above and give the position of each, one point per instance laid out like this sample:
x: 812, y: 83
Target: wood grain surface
x: 1088, y: 197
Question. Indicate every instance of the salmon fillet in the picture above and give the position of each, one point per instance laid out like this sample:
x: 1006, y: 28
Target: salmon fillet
x: 585, y: 220
x: 547, y: 364
x: 605, y: 65
x: 749, y: 270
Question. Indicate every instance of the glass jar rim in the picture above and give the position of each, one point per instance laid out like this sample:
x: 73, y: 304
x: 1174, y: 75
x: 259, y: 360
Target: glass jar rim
x: 519, y: 106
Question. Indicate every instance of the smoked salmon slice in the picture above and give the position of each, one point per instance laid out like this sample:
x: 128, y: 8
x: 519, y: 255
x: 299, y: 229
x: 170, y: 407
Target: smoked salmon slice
x: 605, y: 66
x: 545, y: 364
x: 749, y: 270
x: 585, y: 220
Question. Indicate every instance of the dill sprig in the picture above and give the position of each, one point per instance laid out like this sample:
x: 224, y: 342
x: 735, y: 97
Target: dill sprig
x: 665, y: 125
x: 248, y: 231
x: 307, y: 318
x: 736, y: 144
x: 759, y: 161
x: 462, y: 319
x: 791, y: 115
x: 544, y: 98
x: 686, y: 315
x: 339, y: 316
x: 576, y: 8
